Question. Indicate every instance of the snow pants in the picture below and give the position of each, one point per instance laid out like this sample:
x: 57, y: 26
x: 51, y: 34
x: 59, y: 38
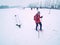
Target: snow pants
x: 39, y: 24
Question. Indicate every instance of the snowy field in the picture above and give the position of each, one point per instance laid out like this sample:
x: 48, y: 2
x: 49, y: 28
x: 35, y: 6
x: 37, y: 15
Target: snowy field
x: 10, y: 34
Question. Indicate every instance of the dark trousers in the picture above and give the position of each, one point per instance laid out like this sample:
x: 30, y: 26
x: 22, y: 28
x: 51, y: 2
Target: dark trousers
x: 39, y: 24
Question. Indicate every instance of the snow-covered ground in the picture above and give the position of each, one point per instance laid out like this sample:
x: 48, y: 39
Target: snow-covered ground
x: 10, y: 34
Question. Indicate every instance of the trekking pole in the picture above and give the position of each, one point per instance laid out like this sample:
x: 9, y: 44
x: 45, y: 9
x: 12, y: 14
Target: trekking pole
x: 38, y: 32
x: 17, y: 21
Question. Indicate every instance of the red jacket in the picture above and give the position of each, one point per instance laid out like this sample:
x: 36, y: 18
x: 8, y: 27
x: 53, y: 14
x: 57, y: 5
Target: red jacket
x: 37, y: 18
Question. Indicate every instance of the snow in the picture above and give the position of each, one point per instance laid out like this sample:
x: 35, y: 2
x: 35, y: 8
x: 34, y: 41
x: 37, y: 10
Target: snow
x: 10, y: 34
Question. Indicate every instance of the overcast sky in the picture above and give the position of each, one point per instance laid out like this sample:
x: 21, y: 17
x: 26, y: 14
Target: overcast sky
x: 16, y: 2
x: 22, y: 2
